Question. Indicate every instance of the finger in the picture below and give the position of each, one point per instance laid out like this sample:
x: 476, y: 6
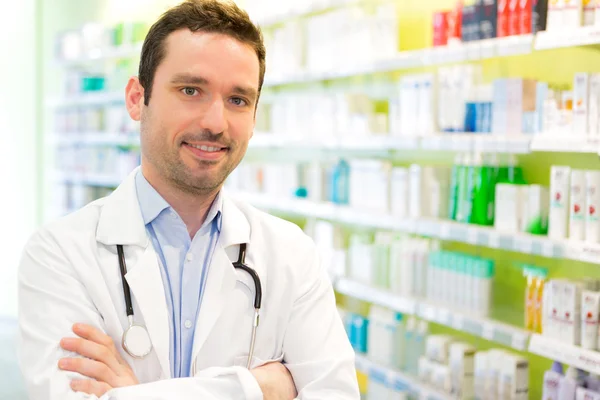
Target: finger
x: 90, y: 387
x: 90, y: 368
x: 94, y: 334
x: 92, y: 350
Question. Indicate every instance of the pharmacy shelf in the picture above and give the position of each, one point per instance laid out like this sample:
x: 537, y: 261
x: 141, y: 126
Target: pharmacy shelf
x: 99, y: 98
x: 428, y: 227
x: 106, y: 54
x: 96, y: 139
x: 587, y: 360
x: 88, y: 179
x: 399, y: 380
x: 569, y: 144
x: 585, y: 36
x: 488, y: 329
x: 300, y: 9
x: 515, y: 144
x: 470, y: 51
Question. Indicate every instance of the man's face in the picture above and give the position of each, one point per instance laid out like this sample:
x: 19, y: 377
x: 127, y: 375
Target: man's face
x: 200, y: 117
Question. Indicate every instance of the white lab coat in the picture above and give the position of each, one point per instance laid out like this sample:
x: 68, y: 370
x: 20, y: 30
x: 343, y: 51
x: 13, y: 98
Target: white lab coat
x: 70, y: 273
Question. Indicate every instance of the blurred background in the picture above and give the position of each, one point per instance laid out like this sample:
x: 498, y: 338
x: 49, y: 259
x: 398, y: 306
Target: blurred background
x: 442, y: 154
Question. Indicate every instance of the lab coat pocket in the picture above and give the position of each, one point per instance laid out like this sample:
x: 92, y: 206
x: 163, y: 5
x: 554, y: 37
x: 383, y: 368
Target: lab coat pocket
x: 242, y: 361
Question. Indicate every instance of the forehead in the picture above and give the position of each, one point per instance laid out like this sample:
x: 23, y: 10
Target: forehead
x: 215, y: 56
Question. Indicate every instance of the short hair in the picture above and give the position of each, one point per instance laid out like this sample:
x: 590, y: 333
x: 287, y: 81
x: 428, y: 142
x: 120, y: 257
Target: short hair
x: 212, y: 16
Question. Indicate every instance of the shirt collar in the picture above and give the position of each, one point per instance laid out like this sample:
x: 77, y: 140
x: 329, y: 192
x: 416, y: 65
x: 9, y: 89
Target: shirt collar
x: 152, y: 203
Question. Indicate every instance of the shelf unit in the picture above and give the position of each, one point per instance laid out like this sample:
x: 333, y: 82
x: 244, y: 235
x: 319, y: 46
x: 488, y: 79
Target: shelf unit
x: 98, y: 98
x: 439, y: 229
x: 88, y: 179
x: 109, y: 53
x: 486, y: 328
x: 587, y: 360
x: 399, y: 380
x: 471, y: 51
x: 584, y: 36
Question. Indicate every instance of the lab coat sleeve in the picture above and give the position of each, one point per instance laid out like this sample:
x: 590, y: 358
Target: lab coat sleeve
x: 52, y: 298
x: 317, y: 350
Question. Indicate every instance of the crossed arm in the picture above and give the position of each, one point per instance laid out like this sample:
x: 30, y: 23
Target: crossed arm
x: 107, y: 370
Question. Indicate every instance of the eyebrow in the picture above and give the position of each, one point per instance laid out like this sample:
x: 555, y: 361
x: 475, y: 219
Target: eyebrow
x: 187, y: 79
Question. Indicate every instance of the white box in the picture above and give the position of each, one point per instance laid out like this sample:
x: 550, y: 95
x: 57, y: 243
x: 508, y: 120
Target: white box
x: 514, y: 379
x: 535, y: 213
x: 581, y: 97
x: 559, y: 202
x: 437, y: 348
x: 570, y: 301
x: 462, y: 370
x: 399, y: 193
x: 592, y: 201
x: 556, y: 18
x: 589, y: 12
x: 577, y: 205
x: 509, y: 206
x: 594, y: 105
x: 573, y: 14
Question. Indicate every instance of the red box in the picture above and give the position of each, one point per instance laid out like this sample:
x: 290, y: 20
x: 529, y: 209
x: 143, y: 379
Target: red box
x: 525, y: 15
x: 513, y: 17
x: 454, y: 23
x: 503, y: 17
x: 440, y: 28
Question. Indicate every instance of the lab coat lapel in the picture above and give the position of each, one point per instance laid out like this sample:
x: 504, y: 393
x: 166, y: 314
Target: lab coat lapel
x: 147, y: 288
x: 221, y: 275
x: 121, y: 222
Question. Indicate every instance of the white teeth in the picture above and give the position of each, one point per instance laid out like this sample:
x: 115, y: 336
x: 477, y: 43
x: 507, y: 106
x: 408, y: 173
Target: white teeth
x: 207, y: 148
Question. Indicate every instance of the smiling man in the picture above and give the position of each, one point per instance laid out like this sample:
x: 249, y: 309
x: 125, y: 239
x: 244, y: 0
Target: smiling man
x: 152, y: 292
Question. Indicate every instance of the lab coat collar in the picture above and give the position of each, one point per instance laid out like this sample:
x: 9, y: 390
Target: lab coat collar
x: 121, y: 220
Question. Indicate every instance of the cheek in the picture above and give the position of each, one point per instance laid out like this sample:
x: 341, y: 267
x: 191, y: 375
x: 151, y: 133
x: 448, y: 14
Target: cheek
x: 241, y: 127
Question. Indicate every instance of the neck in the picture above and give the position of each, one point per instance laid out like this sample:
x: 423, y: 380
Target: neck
x: 192, y: 208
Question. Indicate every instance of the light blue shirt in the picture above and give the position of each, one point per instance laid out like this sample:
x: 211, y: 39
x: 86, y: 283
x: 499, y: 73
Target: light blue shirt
x: 184, y: 266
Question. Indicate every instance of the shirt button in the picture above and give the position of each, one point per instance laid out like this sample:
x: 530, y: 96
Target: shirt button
x: 189, y: 257
x: 187, y: 324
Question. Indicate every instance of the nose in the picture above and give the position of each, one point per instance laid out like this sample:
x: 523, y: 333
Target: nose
x: 213, y: 118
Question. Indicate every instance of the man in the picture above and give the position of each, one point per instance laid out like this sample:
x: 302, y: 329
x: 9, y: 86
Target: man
x: 168, y: 236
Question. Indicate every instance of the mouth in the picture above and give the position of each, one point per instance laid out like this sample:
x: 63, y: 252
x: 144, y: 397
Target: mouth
x: 206, y: 151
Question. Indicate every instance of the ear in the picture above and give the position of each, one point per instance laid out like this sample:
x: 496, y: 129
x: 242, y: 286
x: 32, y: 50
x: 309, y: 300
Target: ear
x: 134, y: 98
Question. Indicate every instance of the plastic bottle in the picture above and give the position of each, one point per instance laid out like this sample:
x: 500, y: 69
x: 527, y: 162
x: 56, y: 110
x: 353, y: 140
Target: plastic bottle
x: 474, y: 186
x: 485, y: 189
x: 463, y: 199
x: 419, y: 345
x: 552, y: 379
x: 409, y: 343
x: 455, y: 175
x: 568, y: 384
x: 510, y: 172
x: 340, y: 186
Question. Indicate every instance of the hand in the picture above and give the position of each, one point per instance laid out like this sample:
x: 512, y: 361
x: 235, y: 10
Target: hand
x: 103, y: 363
x: 275, y: 381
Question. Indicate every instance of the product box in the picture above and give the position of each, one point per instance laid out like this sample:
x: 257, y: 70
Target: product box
x: 440, y: 377
x: 521, y: 100
x: 470, y: 20
x: 556, y: 18
x: 440, y: 28
x: 581, y: 96
x: 509, y: 205
x: 592, y: 201
x: 577, y: 205
x: 525, y: 16
x: 539, y: 16
x: 437, y: 348
x: 535, y: 213
x: 540, y: 95
x: 570, y: 331
x: 462, y: 370
x: 589, y: 12
x: 488, y: 19
x: 573, y: 13
x: 503, y: 18
x: 455, y: 24
x: 594, y: 105
x: 500, y: 107
x: 514, y: 379
x: 560, y: 177
x: 513, y: 17
x: 425, y: 369
x: 399, y: 192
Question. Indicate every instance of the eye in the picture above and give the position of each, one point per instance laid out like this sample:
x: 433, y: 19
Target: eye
x: 189, y: 91
x: 238, y: 101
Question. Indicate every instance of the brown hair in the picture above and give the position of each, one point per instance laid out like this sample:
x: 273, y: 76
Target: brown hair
x: 213, y: 16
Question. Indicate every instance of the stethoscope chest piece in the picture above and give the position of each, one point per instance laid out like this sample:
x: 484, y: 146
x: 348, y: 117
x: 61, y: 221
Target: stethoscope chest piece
x: 136, y: 341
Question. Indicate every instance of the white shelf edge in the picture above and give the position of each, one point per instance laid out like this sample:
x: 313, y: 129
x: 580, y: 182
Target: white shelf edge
x: 275, y: 19
x: 500, y: 47
x: 439, y: 229
x: 486, y: 328
x: 129, y: 50
x: 571, y: 144
x: 583, y: 36
x: 89, y: 98
x: 96, y: 138
x: 392, y: 377
x: 587, y: 360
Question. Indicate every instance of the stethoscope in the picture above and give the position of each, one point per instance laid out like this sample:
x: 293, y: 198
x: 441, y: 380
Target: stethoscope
x: 136, y: 339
